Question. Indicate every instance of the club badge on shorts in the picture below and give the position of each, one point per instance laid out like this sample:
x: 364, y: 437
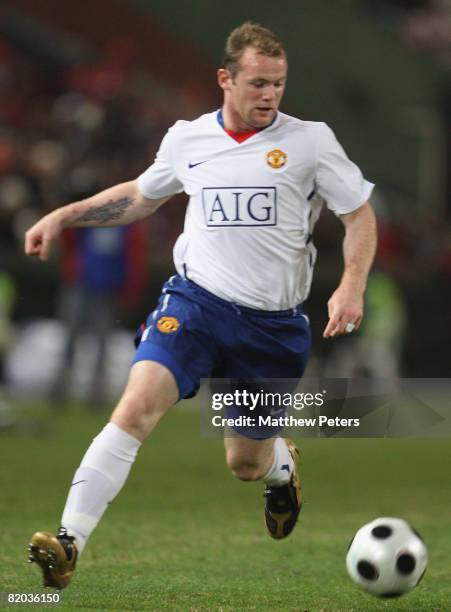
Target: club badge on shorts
x: 276, y: 158
x: 168, y: 325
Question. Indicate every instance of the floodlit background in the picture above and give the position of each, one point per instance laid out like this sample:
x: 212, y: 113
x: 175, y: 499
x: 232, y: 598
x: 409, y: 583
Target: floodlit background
x: 87, y: 90
x: 87, y: 93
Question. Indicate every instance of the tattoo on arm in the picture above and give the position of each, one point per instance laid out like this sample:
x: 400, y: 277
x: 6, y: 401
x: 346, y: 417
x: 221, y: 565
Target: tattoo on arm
x: 112, y: 210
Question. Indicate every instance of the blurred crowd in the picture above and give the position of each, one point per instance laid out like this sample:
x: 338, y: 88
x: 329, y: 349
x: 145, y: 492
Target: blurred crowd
x: 66, y: 133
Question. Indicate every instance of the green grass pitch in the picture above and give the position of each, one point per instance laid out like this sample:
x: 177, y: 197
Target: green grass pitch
x: 185, y: 535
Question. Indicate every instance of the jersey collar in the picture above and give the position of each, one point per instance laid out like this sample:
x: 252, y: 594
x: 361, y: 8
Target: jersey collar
x: 220, y: 120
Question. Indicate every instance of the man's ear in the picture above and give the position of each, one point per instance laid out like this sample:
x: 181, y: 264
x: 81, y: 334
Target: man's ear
x: 224, y: 79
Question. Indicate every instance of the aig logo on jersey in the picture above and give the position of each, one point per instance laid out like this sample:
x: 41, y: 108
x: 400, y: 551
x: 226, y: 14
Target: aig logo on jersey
x: 239, y: 206
x: 276, y: 158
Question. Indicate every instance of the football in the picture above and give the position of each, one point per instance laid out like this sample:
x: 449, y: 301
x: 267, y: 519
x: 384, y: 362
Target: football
x: 387, y: 557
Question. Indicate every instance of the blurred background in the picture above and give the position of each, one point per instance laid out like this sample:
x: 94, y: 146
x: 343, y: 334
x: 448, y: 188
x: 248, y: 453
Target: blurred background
x: 86, y: 94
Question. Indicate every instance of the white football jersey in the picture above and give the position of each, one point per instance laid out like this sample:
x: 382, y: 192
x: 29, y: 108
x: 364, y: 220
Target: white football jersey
x: 248, y: 227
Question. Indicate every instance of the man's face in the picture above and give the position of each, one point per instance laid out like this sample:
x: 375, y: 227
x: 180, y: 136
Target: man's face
x: 252, y: 98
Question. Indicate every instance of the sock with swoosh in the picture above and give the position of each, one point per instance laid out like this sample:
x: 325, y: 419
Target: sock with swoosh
x: 280, y: 472
x: 101, y: 475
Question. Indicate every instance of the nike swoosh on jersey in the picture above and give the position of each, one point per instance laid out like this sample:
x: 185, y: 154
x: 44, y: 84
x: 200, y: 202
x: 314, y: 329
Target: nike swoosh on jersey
x: 191, y: 165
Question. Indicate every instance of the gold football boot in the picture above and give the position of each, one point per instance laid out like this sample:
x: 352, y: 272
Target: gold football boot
x: 284, y: 503
x: 55, y: 555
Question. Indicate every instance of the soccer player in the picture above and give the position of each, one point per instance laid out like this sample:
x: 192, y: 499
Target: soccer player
x: 257, y: 179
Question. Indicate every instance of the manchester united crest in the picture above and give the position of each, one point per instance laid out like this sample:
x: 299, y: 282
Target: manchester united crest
x: 167, y: 325
x: 276, y: 158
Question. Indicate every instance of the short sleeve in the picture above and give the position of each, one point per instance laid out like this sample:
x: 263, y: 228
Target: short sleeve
x: 338, y: 180
x: 159, y: 180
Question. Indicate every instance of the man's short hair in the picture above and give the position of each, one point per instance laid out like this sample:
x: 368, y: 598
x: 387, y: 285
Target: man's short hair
x: 250, y: 34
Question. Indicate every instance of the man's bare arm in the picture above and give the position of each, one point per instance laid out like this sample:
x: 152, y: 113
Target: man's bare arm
x: 359, y: 247
x: 118, y: 205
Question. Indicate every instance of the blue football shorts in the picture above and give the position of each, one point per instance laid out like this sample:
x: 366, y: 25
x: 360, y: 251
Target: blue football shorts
x: 196, y: 335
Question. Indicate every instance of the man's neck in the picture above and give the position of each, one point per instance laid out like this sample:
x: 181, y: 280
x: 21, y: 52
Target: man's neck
x: 234, y: 123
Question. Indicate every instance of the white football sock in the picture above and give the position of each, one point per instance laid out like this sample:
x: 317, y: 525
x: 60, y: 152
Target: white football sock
x: 101, y: 475
x: 282, y: 468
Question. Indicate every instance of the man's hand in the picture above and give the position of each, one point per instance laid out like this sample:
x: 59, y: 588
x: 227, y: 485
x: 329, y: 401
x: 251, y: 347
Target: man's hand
x: 40, y: 236
x: 359, y: 246
x: 345, y: 306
